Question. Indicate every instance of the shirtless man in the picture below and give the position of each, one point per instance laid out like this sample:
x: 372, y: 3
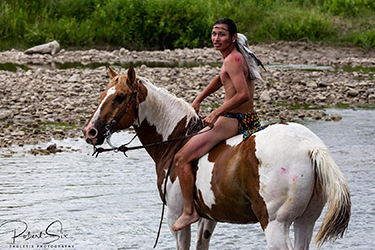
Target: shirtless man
x: 228, y: 120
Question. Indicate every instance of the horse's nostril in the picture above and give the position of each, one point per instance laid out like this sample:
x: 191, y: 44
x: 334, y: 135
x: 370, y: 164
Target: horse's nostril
x: 93, y: 132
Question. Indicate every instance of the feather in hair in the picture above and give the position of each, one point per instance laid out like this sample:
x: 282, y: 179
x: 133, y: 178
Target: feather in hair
x: 250, y: 58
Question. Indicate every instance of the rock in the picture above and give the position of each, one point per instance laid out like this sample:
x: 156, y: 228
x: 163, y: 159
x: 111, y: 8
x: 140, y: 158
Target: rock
x: 4, y: 115
x: 336, y: 118
x: 18, y: 133
x: 265, y: 97
x: 317, y: 115
x: 353, y: 93
x: 74, y: 78
x: 48, y: 48
x: 371, y: 99
x: 324, y: 84
x: 164, y: 79
x: 53, y: 149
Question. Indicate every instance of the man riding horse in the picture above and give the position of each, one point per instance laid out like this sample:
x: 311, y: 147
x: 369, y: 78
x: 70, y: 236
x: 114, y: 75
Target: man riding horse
x: 237, y: 76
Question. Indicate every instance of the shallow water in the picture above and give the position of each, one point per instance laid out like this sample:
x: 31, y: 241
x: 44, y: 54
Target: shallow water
x: 112, y: 202
x: 78, y: 65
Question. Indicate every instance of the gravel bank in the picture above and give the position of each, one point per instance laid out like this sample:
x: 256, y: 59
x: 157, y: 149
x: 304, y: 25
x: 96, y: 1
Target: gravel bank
x: 40, y: 104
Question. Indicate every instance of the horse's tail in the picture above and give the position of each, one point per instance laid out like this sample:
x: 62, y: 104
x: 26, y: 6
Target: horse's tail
x: 335, y: 190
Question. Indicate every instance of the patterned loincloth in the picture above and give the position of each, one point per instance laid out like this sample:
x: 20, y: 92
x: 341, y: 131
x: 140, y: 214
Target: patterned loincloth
x: 246, y: 121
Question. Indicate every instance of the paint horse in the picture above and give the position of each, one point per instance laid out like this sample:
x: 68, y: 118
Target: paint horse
x: 280, y: 175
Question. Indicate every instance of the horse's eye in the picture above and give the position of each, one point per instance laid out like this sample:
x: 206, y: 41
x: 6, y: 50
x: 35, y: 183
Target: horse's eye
x: 120, y: 98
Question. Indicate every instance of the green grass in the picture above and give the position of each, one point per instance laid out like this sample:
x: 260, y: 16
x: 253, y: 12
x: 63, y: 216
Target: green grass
x: 169, y: 24
x: 320, y: 107
x: 48, y: 125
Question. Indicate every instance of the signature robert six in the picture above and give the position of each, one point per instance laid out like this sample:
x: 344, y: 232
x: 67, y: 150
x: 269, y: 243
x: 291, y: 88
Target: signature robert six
x: 19, y: 230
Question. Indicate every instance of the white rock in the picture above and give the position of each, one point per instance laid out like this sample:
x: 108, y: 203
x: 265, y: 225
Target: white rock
x: 48, y: 48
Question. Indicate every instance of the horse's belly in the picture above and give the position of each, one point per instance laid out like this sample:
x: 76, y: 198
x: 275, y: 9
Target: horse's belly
x: 228, y: 210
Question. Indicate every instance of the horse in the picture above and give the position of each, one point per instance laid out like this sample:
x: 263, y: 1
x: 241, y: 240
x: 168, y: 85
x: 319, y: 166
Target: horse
x: 280, y: 175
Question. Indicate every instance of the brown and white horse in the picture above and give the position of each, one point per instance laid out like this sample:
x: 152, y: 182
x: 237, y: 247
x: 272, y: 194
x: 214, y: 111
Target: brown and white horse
x: 281, y: 175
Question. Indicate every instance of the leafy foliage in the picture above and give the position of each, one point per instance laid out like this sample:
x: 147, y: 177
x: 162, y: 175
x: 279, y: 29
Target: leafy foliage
x: 169, y: 24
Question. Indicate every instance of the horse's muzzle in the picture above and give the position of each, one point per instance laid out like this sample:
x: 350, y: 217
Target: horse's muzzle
x: 90, y: 133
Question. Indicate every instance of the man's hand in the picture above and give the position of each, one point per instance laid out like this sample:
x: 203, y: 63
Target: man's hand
x: 210, y: 120
x: 196, y: 106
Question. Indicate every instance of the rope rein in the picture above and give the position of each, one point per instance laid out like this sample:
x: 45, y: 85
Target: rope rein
x: 123, y: 148
x: 165, y: 194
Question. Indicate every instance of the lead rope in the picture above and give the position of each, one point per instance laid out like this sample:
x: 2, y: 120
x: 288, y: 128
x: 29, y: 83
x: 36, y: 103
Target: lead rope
x: 165, y: 194
x: 123, y: 148
x: 165, y: 186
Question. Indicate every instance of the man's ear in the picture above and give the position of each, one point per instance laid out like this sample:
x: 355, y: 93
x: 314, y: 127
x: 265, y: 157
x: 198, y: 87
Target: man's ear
x: 234, y: 37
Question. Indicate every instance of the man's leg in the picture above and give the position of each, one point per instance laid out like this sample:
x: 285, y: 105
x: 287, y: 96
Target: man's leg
x: 186, y: 178
x: 195, y: 148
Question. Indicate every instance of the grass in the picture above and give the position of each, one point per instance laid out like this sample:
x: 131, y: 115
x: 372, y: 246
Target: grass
x: 169, y: 24
x: 320, y: 107
x: 53, y: 125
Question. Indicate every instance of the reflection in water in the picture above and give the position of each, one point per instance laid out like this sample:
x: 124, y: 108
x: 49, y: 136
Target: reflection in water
x: 78, y: 65
x: 112, y: 202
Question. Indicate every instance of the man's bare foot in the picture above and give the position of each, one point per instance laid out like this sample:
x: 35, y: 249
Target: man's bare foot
x: 184, y: 221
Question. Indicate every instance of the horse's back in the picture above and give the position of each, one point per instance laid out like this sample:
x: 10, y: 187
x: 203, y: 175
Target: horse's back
x: 281, y: 138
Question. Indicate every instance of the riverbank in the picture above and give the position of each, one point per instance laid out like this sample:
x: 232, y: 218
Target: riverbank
x: 43, y: 103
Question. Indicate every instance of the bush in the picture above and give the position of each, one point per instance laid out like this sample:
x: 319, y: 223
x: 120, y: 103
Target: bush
x: 347, y: 7
x: 169, y: 24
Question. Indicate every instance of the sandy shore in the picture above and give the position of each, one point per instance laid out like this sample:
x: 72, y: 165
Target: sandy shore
x: 43, y: 103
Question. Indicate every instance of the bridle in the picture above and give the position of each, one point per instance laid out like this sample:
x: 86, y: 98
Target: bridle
x: 110, y: 125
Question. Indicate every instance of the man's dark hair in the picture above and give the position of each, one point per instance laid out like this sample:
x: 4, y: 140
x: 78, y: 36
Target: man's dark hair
x: 232, y: 28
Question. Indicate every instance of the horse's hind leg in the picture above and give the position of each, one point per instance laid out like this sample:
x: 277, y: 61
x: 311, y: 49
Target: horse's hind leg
x: 303, y: 231
x: 277, y: 235
x: 204, y: 232
x: 304, y: 225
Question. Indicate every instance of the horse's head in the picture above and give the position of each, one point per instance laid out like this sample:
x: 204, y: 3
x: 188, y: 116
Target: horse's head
x: 117, y: 108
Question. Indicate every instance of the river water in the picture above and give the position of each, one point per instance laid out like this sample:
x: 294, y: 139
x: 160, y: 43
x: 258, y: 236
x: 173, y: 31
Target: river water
x: 80, y: 202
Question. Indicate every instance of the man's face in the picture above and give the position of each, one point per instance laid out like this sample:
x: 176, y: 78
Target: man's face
x: 220, y: 36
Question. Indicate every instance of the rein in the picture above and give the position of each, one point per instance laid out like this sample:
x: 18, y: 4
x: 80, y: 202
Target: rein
x: 123, y: 148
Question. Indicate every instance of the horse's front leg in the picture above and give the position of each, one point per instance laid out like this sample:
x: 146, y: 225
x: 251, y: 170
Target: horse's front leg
x: 204, y: 232
x: 182, y: 237
x: 175, y: 205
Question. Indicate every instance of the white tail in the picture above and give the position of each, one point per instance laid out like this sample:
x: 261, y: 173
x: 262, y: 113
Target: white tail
x: 335, y: 190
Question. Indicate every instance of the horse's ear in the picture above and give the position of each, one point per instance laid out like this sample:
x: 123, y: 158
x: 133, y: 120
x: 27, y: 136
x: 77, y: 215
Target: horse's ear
x: 111, y: 73
x: 131, y: 75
